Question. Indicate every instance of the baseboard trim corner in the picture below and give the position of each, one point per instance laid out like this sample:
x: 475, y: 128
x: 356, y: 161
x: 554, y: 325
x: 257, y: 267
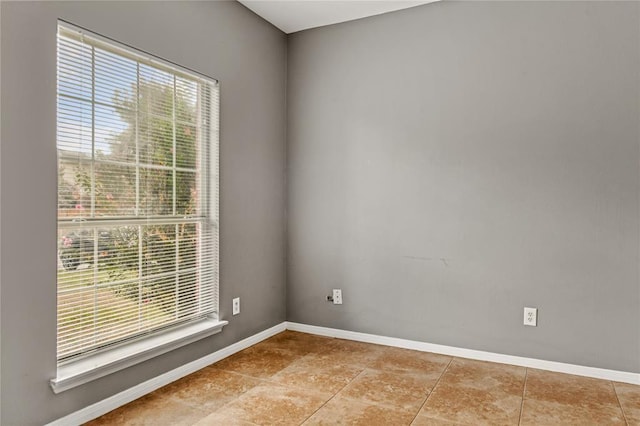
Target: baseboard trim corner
x: 102, y: 407
x: 578, y: 370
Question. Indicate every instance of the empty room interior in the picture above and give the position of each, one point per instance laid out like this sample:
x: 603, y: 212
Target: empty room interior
x: 320, y: 212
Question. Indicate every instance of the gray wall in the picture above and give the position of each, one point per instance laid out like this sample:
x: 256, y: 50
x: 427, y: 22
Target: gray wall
x: 453, y: 163
x: 221, y: 39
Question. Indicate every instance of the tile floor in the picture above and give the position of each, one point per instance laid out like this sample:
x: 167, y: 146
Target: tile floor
x: 296, y: 378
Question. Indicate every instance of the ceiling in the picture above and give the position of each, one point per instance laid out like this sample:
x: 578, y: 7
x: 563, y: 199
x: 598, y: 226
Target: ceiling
x: 296, y: 15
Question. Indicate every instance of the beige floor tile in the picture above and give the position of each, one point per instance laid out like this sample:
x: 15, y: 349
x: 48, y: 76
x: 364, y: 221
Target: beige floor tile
x: 422, y: 420
x: 405, y: 391
x: 299, y: 343
x: 317, y: 373
x: 471, y: 406
x: 155, y: 409
x: 216, y: 419
x: 536, y: 412
x: 629, y: 397
x: 210, y: 388
x: 569, y: 389
x: 349, y: 352
x: 556, y: 398
x: 343, y: 411
x: 271, y: 404
x: 405, y: 360
x: 257, y: 362
x: 476, y: 392
x: 487, y: 376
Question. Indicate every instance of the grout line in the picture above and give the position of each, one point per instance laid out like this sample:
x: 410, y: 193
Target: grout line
x: 432, y: 390
x: 260, y: 379
x: 524, y: 392
x: 270, y: 380
x: 235, y: 398
x: 615, y: 391
x: 172, y: 395
x: 333, y: 396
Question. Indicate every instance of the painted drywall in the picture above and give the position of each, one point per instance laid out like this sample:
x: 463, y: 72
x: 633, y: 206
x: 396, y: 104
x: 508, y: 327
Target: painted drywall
x: 453, y: 163
x: 220, y: 39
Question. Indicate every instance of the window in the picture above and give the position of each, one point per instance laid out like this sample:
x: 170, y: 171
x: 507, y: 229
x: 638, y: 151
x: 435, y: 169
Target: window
x: 137, y: 195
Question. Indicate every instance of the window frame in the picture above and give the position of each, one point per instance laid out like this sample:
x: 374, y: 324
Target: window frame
x: 123, y: 353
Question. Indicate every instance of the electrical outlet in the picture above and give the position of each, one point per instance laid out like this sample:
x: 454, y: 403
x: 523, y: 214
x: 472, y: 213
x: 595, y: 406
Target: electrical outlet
x: 236, y: 306
x: 337, y: 296
x: 531, y: 316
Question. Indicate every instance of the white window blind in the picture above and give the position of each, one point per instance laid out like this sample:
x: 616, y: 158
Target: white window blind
x: 137, y: 142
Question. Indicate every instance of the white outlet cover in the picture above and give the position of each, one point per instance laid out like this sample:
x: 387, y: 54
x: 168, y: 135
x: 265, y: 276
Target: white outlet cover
x: 531, y: 316
x: 236, y: 306
x: 337, y: 296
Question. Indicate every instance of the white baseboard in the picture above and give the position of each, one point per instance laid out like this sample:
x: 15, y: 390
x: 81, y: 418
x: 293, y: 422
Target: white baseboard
x: 579, y: 370
x: 102, y: 407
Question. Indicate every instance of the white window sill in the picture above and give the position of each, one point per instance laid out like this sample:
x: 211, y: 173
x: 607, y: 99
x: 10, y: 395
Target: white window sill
x: 101, y: 364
